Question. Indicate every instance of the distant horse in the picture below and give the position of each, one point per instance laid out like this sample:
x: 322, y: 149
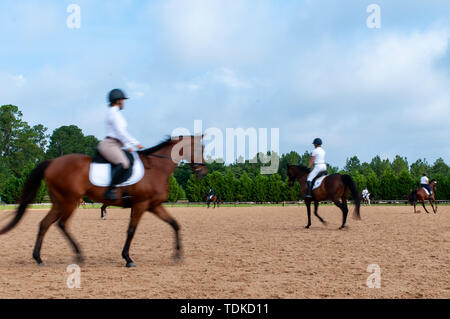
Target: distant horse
x: 67, y: 180
x: 366, y: 200
x: 420, y: 194
x: 335, y: 187
x: 214, y: 199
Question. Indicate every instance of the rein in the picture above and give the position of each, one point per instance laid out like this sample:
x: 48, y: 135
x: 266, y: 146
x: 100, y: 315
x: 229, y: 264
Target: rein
x: 169, y: 157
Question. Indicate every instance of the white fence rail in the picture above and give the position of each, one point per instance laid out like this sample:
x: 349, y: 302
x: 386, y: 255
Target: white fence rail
x: 285, y: 203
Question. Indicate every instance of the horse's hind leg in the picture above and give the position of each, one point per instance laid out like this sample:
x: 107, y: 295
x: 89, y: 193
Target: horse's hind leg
x: 162, y: 213
x: 52, y: 216
x: 62, y: 225
x: 343, y: 206
x: 316, y: 209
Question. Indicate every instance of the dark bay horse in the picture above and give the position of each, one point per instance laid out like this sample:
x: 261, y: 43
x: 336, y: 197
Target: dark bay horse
x: 335, y: 187
x: 214, y: 199
x: 67, y: 179
x: 419, y: 194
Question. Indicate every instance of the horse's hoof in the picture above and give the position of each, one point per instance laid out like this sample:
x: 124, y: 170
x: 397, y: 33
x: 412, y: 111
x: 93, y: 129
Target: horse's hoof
x: 342, y: 227
x: 307, y: 226
x: 41, y: 264
x: 178, y: 256
x: 131, y: 265
x: 79, y: 259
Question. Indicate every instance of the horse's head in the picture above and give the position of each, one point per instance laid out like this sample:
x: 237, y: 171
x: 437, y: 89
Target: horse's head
x: 181, y: 148
x: 296, y: 172
x: 433, y: 184
x: 190, y: 149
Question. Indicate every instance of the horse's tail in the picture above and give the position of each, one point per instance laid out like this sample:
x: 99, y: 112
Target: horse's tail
x: 412, y: 197
x: 29, y: 193
x: 348, y: 182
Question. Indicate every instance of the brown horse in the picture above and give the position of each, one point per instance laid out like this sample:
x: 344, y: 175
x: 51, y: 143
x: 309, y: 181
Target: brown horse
x: 335, y: 187
x: 67, y: 180
x: 214, y: 199
x: 419, y: 194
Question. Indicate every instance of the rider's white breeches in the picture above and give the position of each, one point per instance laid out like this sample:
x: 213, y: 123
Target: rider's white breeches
x: 317, y: 169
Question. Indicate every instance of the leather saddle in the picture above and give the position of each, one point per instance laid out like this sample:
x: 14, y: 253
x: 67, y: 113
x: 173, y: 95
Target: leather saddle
x: 323, y: 173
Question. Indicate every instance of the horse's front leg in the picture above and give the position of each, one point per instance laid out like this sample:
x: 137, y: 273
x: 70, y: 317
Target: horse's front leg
x: 136, y: 214
x: 163, y: 214
x: 308, y: 211
x: 432, y: 206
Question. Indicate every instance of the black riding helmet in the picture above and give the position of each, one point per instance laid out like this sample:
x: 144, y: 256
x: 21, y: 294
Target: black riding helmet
x: 317, y: 141
x: 115, y: 95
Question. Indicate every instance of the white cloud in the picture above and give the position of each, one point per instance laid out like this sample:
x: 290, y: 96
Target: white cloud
x: 138, y: 89
x: 224, y: 77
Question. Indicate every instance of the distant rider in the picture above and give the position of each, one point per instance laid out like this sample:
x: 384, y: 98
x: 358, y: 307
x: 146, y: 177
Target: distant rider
x: 211, y: 193
x: 365, y: 193
x: 318, y: 159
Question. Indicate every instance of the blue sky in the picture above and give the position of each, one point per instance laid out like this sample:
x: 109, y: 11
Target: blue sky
x: 309, y: 67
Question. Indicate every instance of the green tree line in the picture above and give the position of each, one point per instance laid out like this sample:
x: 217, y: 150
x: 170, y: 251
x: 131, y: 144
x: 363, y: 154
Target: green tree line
x: 23, y: 146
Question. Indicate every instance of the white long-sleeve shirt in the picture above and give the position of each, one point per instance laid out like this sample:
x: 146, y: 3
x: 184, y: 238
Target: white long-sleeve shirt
x: 319, y: 155
x: 116, y: 127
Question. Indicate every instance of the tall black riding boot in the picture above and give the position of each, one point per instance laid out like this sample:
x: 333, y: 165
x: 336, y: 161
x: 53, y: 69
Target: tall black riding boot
x: 309, y: 189
x: 116, y: 174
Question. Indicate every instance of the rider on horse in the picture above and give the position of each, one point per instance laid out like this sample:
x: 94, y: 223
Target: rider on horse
x: 211, y: 193
x: 425, y: 183
x: 318, y: 159
x: 117, y: 137
x: 365, y: 193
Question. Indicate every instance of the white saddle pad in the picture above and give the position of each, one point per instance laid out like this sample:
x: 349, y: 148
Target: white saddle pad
x: 426, y: 191
x: 100, y: 174
x: 319, y: 181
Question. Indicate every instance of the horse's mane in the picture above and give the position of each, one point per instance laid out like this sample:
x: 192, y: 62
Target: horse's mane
x: 302, y: 168
x: 167, y: 141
